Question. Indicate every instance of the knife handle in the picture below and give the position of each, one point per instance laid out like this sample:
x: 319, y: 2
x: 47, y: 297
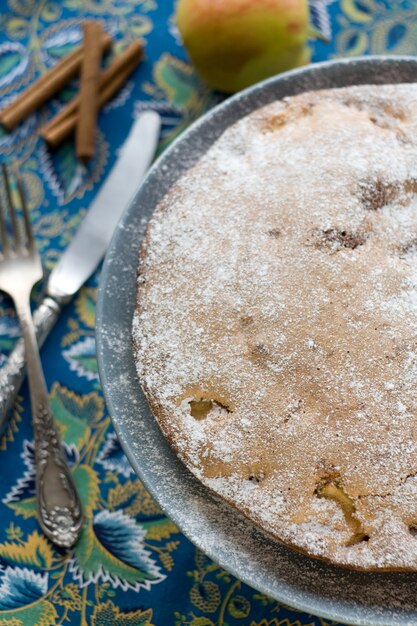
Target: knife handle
x: 13, y: 372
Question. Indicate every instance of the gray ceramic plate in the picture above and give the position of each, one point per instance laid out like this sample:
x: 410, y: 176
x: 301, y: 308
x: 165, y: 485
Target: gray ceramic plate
x: 232, y: 541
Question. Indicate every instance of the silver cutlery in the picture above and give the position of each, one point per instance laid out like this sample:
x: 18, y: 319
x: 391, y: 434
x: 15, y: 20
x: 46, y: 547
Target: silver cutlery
x: 89, y: 245
x: 59, y: 506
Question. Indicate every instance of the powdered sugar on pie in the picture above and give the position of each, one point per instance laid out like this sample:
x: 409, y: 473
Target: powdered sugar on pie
x: 275, y: 332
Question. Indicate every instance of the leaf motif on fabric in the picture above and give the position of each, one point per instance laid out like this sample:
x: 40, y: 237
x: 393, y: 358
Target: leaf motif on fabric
x: 76, y: 415
x: 36, y: 551
x: 26, y: 508
x: 133, y: 498
x: 14, y: 62
x: 112, y: 457
x: 178, y: 82
x: 25, y: 485
x: 82, y: 358
x: 21, y: 586
x: 107, y: 614
x: 111, y: 549
x: 57, y: 43
x: 42, y: 613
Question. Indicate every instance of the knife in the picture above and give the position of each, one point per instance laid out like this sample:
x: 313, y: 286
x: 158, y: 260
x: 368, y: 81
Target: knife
x: 88, y: 247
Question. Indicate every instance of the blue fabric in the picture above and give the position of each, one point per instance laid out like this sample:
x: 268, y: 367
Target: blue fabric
x: 131, y: 566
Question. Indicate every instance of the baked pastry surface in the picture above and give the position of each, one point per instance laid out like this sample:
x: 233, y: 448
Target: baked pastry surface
x: 275, y: 332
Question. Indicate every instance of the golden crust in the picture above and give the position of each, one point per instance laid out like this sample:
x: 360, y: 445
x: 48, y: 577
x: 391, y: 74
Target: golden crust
x: 275, y: 330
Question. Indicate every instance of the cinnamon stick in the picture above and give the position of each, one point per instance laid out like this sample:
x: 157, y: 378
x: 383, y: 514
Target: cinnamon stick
x: 132, y: 54
x: 58, y: 133
x: 112, y: 79
x: 47, y: 85
x: 89, y: 92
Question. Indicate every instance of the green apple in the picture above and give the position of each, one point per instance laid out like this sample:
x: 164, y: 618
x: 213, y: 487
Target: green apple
x: 235, y: 43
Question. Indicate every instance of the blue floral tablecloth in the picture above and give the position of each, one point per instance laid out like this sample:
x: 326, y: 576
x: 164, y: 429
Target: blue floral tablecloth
x: 132, y: 566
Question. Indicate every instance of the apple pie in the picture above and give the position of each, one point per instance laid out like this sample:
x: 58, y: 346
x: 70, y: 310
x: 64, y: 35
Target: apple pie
x: 275, y: 331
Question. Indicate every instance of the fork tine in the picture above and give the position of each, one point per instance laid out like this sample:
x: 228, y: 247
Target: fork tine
x: 23, y: 204
x: 11, y: 206
x: 4, y: 238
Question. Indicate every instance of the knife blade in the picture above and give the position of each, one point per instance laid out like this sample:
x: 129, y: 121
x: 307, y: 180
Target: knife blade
x: 89, y: 245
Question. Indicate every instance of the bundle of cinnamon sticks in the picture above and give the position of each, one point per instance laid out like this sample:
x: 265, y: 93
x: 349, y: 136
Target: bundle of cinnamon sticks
x: 96, y: 88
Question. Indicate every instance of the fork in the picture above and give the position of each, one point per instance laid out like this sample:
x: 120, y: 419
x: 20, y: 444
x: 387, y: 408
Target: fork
x: 59, y: 506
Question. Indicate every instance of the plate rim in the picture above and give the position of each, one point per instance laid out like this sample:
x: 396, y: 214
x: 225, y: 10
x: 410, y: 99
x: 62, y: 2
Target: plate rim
x: 103, y: 324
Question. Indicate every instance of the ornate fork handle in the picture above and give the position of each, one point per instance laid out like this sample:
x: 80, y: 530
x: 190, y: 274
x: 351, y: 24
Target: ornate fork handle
x: 60, y: 513
x: 12, y: 373
x: 59, y: 507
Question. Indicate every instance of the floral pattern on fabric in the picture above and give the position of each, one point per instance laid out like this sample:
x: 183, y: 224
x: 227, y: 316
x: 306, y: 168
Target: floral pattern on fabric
x: 132, y: 566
